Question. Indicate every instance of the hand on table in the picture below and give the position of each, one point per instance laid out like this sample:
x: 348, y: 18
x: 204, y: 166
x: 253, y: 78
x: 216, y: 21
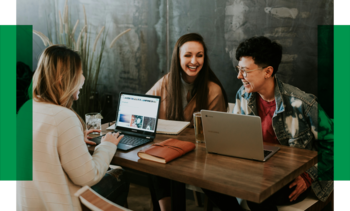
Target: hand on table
x: 86, y: 137
x: 301, y: 186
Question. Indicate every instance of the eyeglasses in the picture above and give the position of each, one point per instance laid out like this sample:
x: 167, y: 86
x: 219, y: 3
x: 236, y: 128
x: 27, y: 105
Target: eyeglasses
x: 244, y: 72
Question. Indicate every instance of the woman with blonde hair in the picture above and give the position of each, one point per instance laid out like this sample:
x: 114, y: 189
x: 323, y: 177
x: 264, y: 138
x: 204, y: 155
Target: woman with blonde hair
x: 62, y: 163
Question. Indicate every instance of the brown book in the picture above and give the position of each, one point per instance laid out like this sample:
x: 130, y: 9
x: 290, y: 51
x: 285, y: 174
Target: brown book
x: 166, y: 151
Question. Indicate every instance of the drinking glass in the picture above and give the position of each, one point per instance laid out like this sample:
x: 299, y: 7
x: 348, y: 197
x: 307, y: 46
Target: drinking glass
x: 93, y: 121
x: 198, y: 127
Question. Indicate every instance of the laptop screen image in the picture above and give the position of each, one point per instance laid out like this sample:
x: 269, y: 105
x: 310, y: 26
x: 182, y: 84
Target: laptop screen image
x: 138, y: 112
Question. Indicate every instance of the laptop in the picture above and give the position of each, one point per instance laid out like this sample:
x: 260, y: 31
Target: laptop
x: 235, y: 135
x: 137, y: 118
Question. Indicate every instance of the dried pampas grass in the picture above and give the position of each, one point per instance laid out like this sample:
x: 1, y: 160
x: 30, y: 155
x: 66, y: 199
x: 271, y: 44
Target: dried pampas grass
x: 84, y: 43
x: 66, y: 28
x: 43, y: 38
x: 91, y: 55
x: 79, y: 38
x: 85, y: 19
x: 65, y: 14
x: 117, y: 37
x: 74, y: 28
x: 98, y: 36
x: 61, y: 22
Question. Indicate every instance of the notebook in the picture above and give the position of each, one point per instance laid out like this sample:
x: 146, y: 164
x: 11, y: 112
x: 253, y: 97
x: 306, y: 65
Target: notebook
x: 137, y: 118
x: 166, y: 151
x: 171, y: 127
x: 235, y: 135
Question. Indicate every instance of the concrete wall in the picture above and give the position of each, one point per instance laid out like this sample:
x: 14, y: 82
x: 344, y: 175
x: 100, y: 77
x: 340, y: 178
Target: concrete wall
x: 141, y: 56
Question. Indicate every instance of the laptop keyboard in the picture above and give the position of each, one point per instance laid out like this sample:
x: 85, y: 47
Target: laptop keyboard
x: 134, y: 141
x: 266, y: 153
x: 129, y: 140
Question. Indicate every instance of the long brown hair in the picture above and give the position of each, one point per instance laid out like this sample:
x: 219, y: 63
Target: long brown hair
x: 174, y: 110
x: 57, y: 77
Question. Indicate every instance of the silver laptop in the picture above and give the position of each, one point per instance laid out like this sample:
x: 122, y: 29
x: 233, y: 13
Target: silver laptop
x: 235, y: 135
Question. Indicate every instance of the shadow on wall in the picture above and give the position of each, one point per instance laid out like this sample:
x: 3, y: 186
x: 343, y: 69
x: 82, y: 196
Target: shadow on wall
x: 293, y: 24
x: 23, y: 79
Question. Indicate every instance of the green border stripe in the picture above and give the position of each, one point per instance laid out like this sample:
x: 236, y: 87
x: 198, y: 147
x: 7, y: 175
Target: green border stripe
x: 342, y: 102
x: 8, y: 102
x: 25, y: 113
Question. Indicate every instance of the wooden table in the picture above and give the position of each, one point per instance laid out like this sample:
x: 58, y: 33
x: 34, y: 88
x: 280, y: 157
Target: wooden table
x: 250, y: 180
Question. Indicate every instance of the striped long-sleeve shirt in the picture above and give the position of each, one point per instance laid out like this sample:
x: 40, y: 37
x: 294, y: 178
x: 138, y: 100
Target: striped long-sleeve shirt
x: 61, y: 161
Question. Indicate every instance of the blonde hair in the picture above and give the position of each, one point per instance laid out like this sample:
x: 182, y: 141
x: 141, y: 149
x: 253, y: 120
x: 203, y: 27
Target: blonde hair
x: 57, y: 77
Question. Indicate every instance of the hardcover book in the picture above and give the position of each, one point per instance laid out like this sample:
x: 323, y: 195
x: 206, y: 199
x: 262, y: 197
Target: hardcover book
x: 166, y: 151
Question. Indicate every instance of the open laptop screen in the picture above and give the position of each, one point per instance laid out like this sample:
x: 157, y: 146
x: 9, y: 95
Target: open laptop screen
x: 138, y: 112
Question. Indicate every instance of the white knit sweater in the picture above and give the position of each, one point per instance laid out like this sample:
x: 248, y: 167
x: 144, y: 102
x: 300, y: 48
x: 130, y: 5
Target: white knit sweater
x: 61, y: 161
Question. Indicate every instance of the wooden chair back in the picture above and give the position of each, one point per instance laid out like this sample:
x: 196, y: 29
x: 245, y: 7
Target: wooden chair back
x: 90, y: 200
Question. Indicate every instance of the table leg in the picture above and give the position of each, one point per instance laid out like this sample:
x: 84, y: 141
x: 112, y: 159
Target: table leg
x: 178, y: 196
x: 155, y: 204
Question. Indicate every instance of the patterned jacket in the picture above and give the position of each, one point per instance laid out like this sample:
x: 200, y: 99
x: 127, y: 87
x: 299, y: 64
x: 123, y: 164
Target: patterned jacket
x: 299, y: 121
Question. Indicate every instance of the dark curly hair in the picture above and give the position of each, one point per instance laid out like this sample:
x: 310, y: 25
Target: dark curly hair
x: 263, y: 50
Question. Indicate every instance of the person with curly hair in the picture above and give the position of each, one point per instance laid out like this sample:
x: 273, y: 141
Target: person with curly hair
x: 289, y: 117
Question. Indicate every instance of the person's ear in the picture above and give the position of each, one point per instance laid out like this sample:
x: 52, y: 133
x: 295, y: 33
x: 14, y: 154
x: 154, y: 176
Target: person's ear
x: 268, y: 72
